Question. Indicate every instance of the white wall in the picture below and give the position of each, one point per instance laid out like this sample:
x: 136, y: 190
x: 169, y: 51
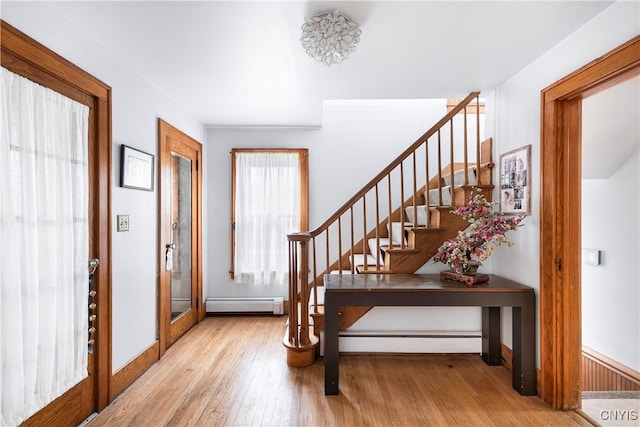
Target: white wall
x: 514, y: 116
x: 135, y: 110
x: 356, y: 141
x: 611, y: 290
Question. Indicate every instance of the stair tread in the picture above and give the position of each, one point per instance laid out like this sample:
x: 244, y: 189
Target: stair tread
x: 398, y: 249
x: 426, y: 229
x: 374, y: 271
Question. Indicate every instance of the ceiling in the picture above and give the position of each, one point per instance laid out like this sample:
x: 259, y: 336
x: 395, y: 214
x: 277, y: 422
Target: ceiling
x: 241, y: 63
x: 610, y: 129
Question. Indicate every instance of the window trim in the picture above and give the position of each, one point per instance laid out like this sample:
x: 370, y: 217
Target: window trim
x: 303, y: 157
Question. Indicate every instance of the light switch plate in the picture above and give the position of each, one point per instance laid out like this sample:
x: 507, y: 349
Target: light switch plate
x: 591, y: 256
x: 123, y: 222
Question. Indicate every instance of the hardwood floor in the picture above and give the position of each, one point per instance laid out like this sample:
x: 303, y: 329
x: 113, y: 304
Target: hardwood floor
x: 232, y: 371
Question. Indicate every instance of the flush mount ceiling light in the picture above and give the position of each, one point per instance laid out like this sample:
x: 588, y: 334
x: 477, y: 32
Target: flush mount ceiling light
x: 330, y: 37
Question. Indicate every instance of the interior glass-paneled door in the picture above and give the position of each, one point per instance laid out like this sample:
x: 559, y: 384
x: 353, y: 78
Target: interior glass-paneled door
x: 179, y: 249
x: 180, y: 235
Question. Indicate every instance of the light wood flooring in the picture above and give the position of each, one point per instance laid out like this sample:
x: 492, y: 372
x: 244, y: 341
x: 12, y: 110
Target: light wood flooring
x: 232, y: 371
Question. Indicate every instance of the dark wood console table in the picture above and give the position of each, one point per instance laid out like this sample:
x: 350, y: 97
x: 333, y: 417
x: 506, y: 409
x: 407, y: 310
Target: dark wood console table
x: 428, y: 290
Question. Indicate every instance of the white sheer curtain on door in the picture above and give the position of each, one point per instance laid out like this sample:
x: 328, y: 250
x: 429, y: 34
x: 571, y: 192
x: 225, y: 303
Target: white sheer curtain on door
x: 267, y: 209
x: 43, y: 246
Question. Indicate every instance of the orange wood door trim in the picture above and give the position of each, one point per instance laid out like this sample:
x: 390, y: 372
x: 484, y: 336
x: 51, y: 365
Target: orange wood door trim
x: 560, y: 211
x: 171, y: 138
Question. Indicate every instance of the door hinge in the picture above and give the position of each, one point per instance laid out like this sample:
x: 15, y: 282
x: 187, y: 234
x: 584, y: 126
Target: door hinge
x: 197, y: 164
x: 197, y: 303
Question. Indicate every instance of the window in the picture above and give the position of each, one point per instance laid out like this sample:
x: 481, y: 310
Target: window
x: 269, y: 201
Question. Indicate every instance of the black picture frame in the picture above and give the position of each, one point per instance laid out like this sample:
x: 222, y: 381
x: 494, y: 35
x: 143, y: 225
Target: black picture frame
x: 136, y: 169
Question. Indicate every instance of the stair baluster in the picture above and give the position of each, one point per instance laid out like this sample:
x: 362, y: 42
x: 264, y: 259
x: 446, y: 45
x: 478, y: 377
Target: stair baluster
x: 451, y: 169
x: 439, y: 169
x: 353, y: 254
x: 478, y: 174
x: 427, y: 190
x: 389, y: 223
x: 415, y: 190
x: 377, y: 228
x: 402, y: 210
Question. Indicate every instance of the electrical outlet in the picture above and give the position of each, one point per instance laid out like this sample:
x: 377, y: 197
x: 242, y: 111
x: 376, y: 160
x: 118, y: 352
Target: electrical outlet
x: 123, y: 222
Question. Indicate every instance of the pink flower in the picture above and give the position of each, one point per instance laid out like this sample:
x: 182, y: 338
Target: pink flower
x: 486, y: 230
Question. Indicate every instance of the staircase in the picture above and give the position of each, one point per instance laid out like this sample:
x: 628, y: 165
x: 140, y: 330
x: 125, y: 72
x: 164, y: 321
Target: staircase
x: 394, y: 224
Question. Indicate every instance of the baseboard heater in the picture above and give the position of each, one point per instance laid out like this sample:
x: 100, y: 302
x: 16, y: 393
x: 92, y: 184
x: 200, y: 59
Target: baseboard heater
x: 408, y: 342
x: 245, y: 305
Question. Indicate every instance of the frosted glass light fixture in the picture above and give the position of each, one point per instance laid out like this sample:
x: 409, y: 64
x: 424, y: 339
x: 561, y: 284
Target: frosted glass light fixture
x: 330, y: 37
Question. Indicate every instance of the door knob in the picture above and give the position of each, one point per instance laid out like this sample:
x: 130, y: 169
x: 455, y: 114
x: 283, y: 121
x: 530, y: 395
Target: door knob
x: 93, y: 264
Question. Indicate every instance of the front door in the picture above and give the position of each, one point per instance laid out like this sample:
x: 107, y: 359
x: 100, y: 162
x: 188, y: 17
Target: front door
x: 180, y: 277
x: 27, y: 58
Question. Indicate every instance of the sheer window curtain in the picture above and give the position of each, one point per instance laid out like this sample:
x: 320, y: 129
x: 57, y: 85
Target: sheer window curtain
x: 43, y: 246
x: 267, y: 209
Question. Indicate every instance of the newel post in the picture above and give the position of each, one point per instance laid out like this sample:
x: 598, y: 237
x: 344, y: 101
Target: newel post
x: 301, y: 347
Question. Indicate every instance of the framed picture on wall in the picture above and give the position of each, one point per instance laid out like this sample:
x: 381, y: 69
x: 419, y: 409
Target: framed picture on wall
x: 136, y: 169
x: 515, y: 181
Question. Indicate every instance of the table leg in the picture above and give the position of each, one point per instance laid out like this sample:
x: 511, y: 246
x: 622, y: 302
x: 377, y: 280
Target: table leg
x: 331, y: 351
x: 524, y: 348
x: 491, y: 350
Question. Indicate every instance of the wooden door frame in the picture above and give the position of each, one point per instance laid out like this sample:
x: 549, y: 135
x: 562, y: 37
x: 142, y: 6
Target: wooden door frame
x: 166, y: 132
x: 25, y: 56
x: 560, y: 222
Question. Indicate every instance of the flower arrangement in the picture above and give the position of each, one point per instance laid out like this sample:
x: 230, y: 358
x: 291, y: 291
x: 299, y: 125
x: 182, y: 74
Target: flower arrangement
x: 487, y: 229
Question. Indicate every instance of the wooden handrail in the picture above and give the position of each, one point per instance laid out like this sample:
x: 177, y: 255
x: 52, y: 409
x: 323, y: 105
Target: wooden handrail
x: 413, y: 147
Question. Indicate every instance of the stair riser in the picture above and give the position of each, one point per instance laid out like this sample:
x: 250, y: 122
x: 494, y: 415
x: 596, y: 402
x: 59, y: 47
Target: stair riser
x: 485, y: 176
